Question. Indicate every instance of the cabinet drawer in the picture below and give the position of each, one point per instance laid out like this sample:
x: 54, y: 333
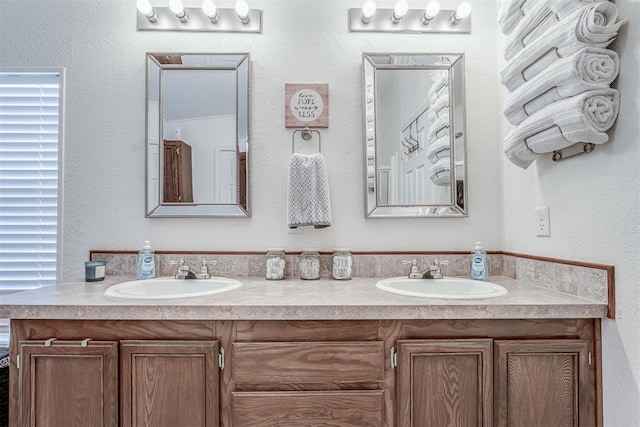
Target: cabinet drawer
x: 308, y: 362
x: 319, y: 408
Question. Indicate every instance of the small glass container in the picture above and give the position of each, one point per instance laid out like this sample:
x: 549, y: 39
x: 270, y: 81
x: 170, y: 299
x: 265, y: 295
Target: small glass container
x: 275, y: 264
x: 94, y: 271
x: 342, y: 264
x: 309, y: 264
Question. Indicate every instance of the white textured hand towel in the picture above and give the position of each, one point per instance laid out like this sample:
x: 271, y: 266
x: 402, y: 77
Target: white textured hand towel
x: 440, y: 148
x: 536, y: 22
x: 440, y: 173
x: 581, y: 118
x: 592, y: 25
x: 308, y: 192
x: 588, y: 69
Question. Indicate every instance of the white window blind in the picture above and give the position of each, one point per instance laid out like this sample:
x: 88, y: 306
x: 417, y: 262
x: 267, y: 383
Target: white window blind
x: 29, y: 130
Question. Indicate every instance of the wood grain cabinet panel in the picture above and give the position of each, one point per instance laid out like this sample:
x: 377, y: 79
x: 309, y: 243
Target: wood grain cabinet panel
x: 308, y: 362
x: 67, y: 384
x: 309, y: 409
x: 542, y: 383
x: 444, y: 383
x: 169, y: 383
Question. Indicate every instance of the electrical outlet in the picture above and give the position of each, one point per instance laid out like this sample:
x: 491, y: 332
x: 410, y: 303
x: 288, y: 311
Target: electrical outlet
x: 543, y: 222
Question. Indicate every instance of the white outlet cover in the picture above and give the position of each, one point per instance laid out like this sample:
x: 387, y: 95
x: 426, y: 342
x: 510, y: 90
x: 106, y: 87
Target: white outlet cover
x: 543, y: 222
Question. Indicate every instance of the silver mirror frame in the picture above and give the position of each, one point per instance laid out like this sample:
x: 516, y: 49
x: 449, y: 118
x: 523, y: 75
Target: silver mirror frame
x: 154, y: 208
x: 457, y: 92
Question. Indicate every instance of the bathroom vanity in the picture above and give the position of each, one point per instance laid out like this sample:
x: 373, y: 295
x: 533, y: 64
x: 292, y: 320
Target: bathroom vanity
x: 330, y: 352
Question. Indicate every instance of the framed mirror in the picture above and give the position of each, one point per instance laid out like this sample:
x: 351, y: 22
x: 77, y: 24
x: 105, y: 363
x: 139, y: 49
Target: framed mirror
x: 197, y: 135
x: 414, y: 135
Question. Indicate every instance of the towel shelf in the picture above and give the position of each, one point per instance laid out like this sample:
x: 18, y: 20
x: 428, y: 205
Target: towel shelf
x: 306, y: 134
x: 573, y: 150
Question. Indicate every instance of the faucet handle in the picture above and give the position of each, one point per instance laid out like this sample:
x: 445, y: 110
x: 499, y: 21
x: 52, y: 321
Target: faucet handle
x: 413, y: 272
x: 204, y: 270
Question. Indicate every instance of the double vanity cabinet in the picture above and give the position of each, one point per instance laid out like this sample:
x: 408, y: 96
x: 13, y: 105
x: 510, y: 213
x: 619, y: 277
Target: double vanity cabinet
x: 384, y: 372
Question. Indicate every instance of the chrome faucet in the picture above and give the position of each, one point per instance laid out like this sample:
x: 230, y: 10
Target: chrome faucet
x: 433, y: 272
x: 186, y: 272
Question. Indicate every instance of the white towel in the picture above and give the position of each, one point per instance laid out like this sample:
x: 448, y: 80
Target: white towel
x: 308, y: 192
x: 440, y: 173
x: 581, y: 118
x: 592, y: 25
x: 536, y: 22
x: 511, y: 12
x: 588, y: 69
x: 438, y: 128
x: 439, y: 83
x: 440, y: 148
x: 439, y: 107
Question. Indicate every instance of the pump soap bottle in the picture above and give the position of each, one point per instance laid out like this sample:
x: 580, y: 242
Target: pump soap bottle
x: 146, y: 263
x: 479, y: 266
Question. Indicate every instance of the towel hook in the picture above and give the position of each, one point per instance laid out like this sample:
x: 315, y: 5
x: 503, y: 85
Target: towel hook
x: 306, y: 134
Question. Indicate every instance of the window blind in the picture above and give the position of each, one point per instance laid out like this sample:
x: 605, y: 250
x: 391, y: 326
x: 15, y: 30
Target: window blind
x: 29, y: 131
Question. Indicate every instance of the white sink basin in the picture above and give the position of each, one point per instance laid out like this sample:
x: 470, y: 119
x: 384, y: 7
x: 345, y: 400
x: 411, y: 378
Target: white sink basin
x: 449, y: 288
x: 168, y: 287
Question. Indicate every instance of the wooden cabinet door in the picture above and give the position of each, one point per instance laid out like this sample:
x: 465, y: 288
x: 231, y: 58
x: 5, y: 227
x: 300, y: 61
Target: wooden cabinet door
x: 178, y: 179
x: 67, y: 384
x: 542, y: 383
x: 169, y: 383
x: 444, y: 383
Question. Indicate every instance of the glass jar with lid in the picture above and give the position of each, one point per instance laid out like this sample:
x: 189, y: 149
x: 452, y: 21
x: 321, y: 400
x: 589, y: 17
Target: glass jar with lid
x: 309, y: 264
x: 342, y: 264
x: 275, y: 264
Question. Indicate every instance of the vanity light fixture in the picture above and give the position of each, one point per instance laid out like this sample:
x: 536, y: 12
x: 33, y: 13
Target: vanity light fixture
x: 177, y: 7
x: 462, y: 11
x: 209, y: 9
x: 429, y: 19
x: 242, y: 9
x: 206, y: 18
x: 399, y: 10
x: 430, y: 12
x: 145, y: 8
x: 368, y: 9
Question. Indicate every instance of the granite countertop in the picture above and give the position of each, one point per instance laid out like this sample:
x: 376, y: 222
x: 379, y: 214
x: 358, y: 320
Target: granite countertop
x: 294, y: 299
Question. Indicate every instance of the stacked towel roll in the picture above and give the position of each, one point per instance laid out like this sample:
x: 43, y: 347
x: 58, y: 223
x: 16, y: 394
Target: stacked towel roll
x: 438, y: 136
x: 558, y: 74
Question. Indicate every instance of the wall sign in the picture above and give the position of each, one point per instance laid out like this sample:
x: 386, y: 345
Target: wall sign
x: 306, y: 105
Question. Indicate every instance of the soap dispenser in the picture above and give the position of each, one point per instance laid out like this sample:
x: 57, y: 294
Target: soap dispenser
x: 146, y: 263
x: 479, y: 266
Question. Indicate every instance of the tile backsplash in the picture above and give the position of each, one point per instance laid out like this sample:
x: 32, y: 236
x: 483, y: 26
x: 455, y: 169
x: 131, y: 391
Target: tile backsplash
x: 568, y: 277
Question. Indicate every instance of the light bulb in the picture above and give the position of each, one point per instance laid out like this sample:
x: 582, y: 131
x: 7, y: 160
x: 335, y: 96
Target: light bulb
x: 242, y: 9
x: 147, y: 10
x: 432, y: 9
x: 399, y: 10
x: 368, y: 10
x: 177, y: 7
x: 209, y: 9
x: 462, y: 11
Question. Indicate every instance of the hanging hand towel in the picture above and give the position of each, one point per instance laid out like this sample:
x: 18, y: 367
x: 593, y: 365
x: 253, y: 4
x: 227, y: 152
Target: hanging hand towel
x: 581, y: 118
x: 588, y: 69
x: 308, y: 192
x: 592, y: 25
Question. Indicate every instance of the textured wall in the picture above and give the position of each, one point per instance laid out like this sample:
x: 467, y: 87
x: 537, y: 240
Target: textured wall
x: 302, y: 41
x: 595, y: 216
